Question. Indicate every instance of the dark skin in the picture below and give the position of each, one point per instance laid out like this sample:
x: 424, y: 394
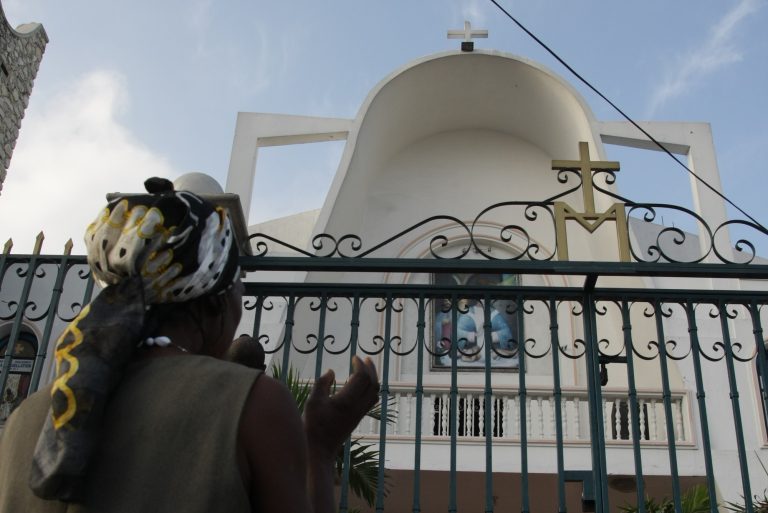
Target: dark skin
x: 305, y: 451
x: 247, y: 351
x: 271, y: 429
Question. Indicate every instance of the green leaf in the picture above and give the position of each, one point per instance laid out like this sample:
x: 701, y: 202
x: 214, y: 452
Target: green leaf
x: 375, y: 412
x: 299, y: 389
x: 363, y: 471
x: 695, y: 500
x: 759, y: 504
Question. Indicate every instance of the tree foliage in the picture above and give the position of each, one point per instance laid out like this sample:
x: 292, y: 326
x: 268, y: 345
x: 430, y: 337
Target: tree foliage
x: 695, y: 500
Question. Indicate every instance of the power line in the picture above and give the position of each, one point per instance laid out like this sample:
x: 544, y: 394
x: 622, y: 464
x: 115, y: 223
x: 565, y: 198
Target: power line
x: 625, y: 116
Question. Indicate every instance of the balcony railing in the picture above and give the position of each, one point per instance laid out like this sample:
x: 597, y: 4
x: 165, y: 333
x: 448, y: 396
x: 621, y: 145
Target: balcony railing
x: 540, y: 415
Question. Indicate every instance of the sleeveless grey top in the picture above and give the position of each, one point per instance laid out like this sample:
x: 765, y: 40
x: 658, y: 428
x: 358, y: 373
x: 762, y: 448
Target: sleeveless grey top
x: 170, y: 442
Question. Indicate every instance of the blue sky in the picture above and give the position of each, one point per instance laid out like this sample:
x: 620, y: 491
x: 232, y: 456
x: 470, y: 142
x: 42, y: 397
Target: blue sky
x: 128, y: 90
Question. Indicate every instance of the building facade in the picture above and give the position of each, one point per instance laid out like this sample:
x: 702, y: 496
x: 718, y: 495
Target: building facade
x: 471, y: 174
x: 543, y: 341
x: 21, y: 51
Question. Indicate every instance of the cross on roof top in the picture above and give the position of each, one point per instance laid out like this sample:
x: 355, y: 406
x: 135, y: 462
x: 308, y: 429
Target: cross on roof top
x: 467, y: 45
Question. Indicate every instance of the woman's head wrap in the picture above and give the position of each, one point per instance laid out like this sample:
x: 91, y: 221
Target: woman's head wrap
x: 180, y: 245
x: 163, y: 247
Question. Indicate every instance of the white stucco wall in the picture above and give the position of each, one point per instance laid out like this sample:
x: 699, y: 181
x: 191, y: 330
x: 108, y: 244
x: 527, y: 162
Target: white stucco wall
x: 452, y: 134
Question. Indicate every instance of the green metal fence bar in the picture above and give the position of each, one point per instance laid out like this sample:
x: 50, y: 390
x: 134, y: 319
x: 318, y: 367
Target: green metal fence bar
x: 321, y: 336
x: 554, y: 340
x: 388, y: 305
x: 734, y: 393
x: 288, y: 337
x: 58, y: 288
x: 752, y: 271
x: 453, y: 408
x: 488, y: 404
x: 598, y: 392
x: 88, y: 294
x: 3, y: 266
x: 420, y: 324
x: 344, y: 487
x: 256, y: 331
x: 762, y: 359
x: 523, y: 395
x: 634, y: 407
x: 377, y: 290
x: 21, y: 307
x: 4, y: 260
x: 354, y: 325
x: 701, y: 396
x: 667, y: 402
x: 596, y: 426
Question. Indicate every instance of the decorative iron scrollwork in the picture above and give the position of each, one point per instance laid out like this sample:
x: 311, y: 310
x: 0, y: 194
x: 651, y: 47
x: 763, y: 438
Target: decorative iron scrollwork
x: 536, y: 230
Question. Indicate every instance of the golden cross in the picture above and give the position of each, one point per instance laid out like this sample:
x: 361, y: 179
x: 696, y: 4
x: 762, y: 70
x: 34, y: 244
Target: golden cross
x: 587, y: 167
x: 589, y: 219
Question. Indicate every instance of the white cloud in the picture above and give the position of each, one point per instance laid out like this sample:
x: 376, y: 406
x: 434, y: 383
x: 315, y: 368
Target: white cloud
x: 474, y: 12
x: 717, y: 51
x: 199, y: 14
x: 72, y: 150
x: 252, y: 63
x: 198, y: 20
x: 251, y: 67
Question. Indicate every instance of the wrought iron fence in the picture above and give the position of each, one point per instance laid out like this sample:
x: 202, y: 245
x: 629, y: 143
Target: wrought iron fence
x: 657, y: 385
x: 656, y: 422
x: 503, y: 359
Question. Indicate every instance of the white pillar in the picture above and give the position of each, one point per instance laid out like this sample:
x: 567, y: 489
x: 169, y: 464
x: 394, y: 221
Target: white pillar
x: 255, y: 130
x: 693, y: 140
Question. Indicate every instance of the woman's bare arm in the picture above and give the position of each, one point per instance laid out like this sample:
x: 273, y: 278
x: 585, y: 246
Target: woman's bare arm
x: 272, y: 438
x: 290, y: 463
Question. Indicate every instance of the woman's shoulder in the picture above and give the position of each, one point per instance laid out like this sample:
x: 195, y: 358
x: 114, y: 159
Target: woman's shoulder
x: 185, y: 377
x: 189, y: 363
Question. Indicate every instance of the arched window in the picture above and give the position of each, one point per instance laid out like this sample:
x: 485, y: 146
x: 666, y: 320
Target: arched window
x: 470, y: 319
x: 20, y: 374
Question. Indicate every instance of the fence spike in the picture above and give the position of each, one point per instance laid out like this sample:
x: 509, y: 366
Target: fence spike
x: 68, y: 247
x: 8, y: 246
x: 38, y: 243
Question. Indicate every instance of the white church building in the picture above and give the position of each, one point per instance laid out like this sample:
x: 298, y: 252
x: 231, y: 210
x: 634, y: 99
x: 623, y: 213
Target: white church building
x: 450, y: 135
x: 476, y: 244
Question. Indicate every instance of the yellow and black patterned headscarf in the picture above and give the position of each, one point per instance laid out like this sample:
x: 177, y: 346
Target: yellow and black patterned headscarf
x: 180, y: 245
x: 162, y: 247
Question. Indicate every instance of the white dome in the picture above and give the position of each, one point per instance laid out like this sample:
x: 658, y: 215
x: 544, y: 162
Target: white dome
x: 199, y: 183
